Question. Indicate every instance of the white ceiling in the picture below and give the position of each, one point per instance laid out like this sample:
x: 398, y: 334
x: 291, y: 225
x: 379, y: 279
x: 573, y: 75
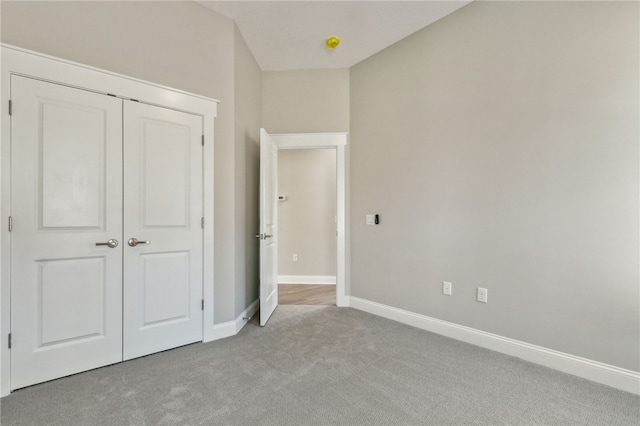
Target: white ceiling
x: 290, y: 35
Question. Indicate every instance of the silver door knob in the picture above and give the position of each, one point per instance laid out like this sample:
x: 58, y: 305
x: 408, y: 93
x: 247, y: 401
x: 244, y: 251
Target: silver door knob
x: 111, y: 243
x: 134, y: 242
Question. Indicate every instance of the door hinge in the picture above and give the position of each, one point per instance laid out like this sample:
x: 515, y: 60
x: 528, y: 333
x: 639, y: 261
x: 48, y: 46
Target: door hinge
x: 9, y: 340
x: 202, y: 304
x: 202, y: 140
x: 10, y: 223
x: 202, y: 222
x: 10, y: 107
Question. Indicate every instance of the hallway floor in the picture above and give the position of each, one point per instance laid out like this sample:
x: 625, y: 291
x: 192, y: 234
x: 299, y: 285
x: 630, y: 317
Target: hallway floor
x: 306, y: 294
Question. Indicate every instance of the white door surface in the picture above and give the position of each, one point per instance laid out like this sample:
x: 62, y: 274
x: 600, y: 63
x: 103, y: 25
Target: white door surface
x: 268, y: 226
x: 91, y: 173
x: 66, y: 172
x: 163, y: 211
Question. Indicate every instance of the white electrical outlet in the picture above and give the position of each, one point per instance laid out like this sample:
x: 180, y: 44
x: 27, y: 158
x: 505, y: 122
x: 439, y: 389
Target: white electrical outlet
x: 446, y: 288
x: 483, y: 295
x: 295, y: 257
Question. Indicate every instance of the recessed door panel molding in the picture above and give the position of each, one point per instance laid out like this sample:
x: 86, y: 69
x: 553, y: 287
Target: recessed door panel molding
x: 167, y: 170
x: 72, y: 147
x: 166, y: 288
x: 163, y: 276
x: 71, y: 303
x: 66, y: 292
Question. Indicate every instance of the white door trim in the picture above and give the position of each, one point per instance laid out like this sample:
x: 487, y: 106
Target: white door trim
x: 35, y: 65
x: 337, y: 141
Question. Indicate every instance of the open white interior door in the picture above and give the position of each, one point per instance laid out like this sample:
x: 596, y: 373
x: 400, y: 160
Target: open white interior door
x: 268, y: 226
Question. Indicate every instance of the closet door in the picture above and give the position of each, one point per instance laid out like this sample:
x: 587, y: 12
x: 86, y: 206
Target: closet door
x: 66, y: 197
x: 162, y: 225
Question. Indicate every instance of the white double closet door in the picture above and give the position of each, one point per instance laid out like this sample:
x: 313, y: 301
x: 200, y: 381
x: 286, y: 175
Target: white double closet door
x: 89, y: 170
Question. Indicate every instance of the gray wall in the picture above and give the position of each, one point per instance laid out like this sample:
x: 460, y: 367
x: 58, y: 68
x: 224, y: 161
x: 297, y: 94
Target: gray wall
x: 307, y: 101
x: 248, y: 83
x: 182, y: 45
x: 307, y: 219
x: 500, y: 147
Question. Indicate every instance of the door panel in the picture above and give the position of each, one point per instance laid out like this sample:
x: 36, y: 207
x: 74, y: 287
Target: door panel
x: 167, y: 166
x: 167, y: 287
x: 268, y: 226
x: 61, y: 286
x: 66, y: 172
x: 71, y: 168
x: 163, y: 205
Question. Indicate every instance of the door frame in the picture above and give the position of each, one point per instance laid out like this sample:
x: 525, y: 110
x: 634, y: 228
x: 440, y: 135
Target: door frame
x: 18, y: 61
x: 339, y: 142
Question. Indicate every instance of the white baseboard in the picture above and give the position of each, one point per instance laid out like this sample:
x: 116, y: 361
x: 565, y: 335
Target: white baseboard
x: 610, y: 375
x: 306, y: 279
x: 231, y: 328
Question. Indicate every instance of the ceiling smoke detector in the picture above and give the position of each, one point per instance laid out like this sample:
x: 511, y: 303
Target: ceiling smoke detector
x: 333, y: 42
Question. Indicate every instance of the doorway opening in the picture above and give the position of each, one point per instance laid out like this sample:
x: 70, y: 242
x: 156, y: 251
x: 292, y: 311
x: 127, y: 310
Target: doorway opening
x: 270, y: 146
x: 307, y: 222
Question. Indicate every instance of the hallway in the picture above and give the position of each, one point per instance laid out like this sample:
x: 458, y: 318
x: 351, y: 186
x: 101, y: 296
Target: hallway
x: 307, y: 294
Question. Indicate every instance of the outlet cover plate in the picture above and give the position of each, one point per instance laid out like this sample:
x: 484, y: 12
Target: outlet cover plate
x: 483, y: 295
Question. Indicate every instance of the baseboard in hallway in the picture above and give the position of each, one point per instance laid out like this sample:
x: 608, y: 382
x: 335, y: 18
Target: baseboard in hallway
x: 306, y: 294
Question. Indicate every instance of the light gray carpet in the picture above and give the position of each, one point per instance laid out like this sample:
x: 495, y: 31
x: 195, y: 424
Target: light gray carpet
x: 323, y: 365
